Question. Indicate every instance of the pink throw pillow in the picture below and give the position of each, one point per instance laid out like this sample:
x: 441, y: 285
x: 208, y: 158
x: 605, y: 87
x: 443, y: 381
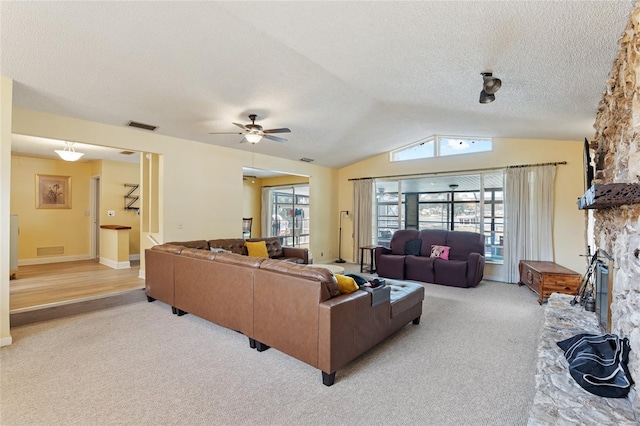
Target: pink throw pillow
x: 440, y: 251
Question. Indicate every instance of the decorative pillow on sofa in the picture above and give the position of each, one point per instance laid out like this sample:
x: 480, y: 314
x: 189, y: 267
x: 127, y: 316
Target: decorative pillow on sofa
x: 346, y: 284
x: 440, y: 251
x: 412, y: 247
x: 257, y: 249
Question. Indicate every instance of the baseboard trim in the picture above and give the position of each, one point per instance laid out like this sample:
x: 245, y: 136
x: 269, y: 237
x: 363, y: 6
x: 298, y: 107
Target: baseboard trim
x: 6, y: 341
x: 115, y: 265
x: 499, y: 279
x: 55, y: 259
x: 141, y: 274
x: 134, y: 257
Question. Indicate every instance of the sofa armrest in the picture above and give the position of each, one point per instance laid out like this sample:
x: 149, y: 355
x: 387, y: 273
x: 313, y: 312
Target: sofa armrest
x: 475, y: 269
x: 379, y: 251
x: 298, y: 252
x: 345, y: 329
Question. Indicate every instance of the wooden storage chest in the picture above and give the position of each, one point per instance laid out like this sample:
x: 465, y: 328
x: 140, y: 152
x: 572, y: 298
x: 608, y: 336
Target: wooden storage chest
x: 548, y: 277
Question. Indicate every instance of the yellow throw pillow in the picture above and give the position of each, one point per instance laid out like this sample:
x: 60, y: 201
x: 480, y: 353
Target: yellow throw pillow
x: 257, y: 249
x: 346, y: 284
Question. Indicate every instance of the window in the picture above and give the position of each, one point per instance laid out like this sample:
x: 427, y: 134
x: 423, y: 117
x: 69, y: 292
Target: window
x: 422, y: 149
x: 440, y: 146
x: 471, y: 203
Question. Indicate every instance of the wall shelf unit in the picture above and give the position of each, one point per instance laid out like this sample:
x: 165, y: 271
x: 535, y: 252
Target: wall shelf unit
x: 130, y: 198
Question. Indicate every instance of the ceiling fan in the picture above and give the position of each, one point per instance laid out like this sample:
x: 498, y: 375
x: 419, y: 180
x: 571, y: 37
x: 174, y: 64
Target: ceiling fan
x: 253, y: 133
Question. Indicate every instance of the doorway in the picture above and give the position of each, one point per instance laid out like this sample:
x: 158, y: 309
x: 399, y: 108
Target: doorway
x: 95, y: 217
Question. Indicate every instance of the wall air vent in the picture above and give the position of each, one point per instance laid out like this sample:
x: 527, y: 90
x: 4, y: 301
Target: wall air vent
x: 49, y: 251
x: 142, y: 125
x: 306, y: 160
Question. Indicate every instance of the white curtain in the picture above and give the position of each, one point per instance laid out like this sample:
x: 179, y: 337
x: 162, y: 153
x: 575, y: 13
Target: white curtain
x: 362, y: 215
x: 529, y: 216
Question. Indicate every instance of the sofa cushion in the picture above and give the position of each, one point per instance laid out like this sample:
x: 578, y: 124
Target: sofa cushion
x: 399, y: 239
x: 198, y: 253
x: 419, y: 268
x: 432, y: 237
x: 239, y: 259
x: 440, y: 251
x: 257, y: 249
x: 412, y: 247
x: 346, y: 284
x: 320, y: 274
x: 391, y: 266
x: 197, y: 244
x: 464, y: 243
x: 451, y: 272
x: 219, y: 250
x: 168, y: 248
x: 234, y: 245
x: 404, y: 295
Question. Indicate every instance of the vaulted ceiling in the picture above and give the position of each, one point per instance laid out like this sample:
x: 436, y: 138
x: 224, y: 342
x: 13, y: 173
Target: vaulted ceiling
x: 350, y: 79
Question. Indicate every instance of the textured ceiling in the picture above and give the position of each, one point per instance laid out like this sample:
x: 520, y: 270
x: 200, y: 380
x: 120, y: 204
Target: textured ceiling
x: 350, y: 79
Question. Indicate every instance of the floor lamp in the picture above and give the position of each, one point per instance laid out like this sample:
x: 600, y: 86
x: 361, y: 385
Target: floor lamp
x: 340, y: 259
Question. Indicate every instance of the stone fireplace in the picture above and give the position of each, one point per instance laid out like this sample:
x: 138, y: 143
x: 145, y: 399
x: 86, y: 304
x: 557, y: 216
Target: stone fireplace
x: 616, y: 228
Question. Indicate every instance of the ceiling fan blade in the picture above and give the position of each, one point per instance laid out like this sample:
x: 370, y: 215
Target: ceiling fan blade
x: 242, y: 126
x: 274, y: 138
x: 282, y: 130
x: 226, y: 133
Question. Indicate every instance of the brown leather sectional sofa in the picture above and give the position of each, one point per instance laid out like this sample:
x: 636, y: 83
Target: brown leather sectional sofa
x: 236, y: 245
x: 293, y: 308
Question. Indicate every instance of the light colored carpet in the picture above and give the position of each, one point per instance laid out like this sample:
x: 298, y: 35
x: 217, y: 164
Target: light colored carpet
x: 471, y: 361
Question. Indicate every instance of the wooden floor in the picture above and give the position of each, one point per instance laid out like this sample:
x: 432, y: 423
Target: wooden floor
x: 54, y: 284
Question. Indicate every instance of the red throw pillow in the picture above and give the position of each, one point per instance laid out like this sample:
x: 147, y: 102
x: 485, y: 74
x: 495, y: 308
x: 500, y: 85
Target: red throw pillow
x: 440, y: 251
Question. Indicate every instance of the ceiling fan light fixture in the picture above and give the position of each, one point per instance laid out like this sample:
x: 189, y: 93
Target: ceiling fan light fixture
x: 253, y: 138
x: 68, y: 153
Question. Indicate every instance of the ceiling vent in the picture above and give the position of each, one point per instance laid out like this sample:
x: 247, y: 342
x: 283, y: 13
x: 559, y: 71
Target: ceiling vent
x: 306, y: 160
x: 142, y: 125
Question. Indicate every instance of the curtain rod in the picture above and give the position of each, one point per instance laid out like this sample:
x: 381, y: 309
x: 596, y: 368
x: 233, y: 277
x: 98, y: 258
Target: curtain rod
x: 557, y: 163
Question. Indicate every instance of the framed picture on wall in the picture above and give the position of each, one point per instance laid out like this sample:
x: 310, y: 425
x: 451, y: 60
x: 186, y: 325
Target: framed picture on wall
x: 53, y: 192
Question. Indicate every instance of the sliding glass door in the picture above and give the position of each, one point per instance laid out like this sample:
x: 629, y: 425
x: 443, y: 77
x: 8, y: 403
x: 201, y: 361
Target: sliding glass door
x: 289, y: 215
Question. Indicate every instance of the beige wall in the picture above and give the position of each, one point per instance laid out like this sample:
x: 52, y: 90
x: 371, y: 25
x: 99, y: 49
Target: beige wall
x: 6, y: 96
x: 252, y: 204
x: 569, y: 223
x: 113, y: 176
x: 201, y: 185
x: 69, y: 228
x: 44, y: 228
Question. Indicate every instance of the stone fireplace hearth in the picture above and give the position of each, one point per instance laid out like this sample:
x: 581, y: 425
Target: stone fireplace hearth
x: 559, y: 399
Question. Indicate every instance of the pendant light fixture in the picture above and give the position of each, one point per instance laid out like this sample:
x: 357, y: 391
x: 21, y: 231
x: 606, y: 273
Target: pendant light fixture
x: 490, y: 86
x: 69, y: 153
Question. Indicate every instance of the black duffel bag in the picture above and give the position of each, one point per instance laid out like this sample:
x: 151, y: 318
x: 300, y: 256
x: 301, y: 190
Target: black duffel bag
x: 599, y: 363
